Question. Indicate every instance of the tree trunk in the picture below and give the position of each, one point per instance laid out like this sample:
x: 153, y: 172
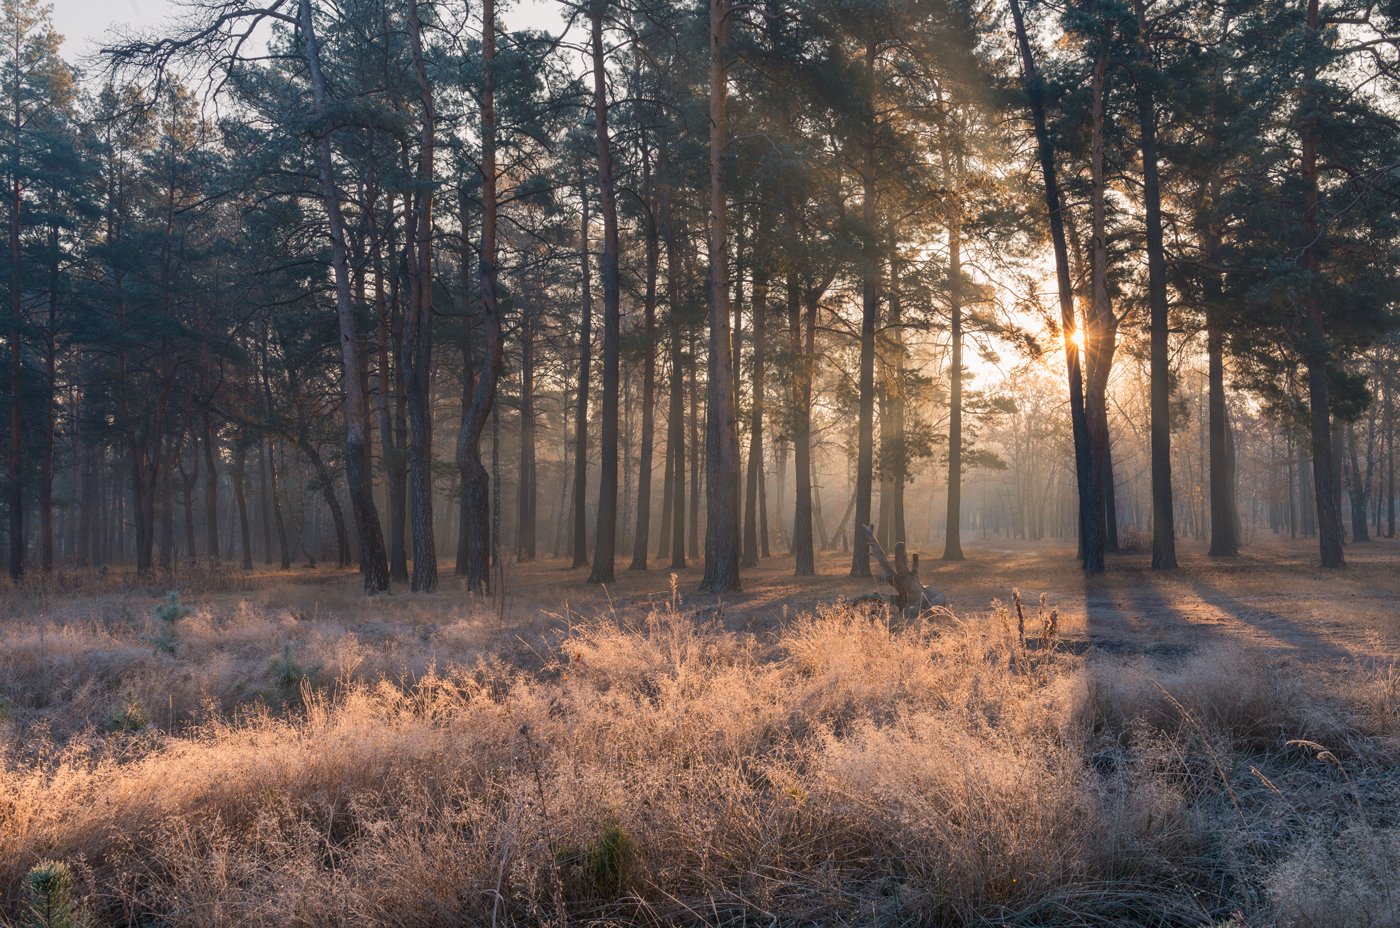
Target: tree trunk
x: 721, y: 419
x: 418, y: 325
x: 1358, y: 487
x: 373, y: 564
x: 51, y: 380
x: 585, y: 356
x: 475, y: 480
x: 1390, y: 454
x: 1163, y: 517
x: 693, y: 529
x: 1224, y: 540
x: 325, y: 482
x: 240, y: 498
x: 16, y: 463
x: 753, y: 497
x: 528, y: 493
x: 386, y: 304
x: 675, y: 426
x: 952, y: 539
x: 211, y: 492
x: 283, y: 550
x: 1090, y: 505
x: 605, y: 546
x: 166, y: 545
x: 1100, y: 322
x: 870, y: 305
x: 641, y: 538
x: 804, y: 559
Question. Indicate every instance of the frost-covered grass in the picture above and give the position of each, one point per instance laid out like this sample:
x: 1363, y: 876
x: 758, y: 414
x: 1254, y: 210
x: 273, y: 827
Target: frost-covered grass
x: 308, y: 758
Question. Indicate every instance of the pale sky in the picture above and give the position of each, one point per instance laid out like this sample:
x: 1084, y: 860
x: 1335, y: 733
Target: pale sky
x: 85, y: 24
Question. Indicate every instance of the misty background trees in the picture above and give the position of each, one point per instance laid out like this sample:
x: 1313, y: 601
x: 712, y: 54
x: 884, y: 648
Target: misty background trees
x: 373, y: 281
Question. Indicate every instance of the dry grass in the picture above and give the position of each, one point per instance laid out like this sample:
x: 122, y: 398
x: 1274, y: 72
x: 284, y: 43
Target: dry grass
x: 316, y: 760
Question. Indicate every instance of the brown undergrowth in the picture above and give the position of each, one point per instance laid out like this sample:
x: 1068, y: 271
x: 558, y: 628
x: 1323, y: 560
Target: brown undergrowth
x: 430, y: 767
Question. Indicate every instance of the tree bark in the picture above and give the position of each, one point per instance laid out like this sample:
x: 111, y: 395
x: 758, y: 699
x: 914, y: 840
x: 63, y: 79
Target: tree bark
x: 952, y: 538
x: 240, y: 498
x: 753, y: 496
x: 585, y: 357
x: 1100, y: 322
x: 16, y: 462
x: 1086, y: 479
x: 605, y: 546
x: 675, y: 438
x: 1163, y: 516
x: 417, y: 349
x: 211, y: 491
x: 870, y: 305
x: 641, y: 538
x: 1224, y: 539
x: 804, y: 559
x: 721, y: 421
x: 475, y: 480
x: 528, y: 493
x: 373, y: 564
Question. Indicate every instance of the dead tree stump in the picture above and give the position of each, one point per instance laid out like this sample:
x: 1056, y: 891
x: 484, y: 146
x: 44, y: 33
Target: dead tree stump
x: 903, y: 576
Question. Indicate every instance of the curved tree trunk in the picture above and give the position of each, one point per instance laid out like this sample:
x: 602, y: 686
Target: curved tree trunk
x: 1086, y: 478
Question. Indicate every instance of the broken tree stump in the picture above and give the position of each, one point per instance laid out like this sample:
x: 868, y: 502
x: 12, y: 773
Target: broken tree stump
x: 903, y: 576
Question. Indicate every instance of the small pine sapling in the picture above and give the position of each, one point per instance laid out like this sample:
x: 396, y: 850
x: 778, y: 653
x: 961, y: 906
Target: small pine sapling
x: 168, y: 615
x: 50, y: 897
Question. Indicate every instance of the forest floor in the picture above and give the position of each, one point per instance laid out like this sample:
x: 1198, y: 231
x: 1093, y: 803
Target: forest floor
x: 1213, y: 746
x: 1272, y: 597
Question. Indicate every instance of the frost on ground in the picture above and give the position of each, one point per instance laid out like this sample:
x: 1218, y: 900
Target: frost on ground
x: 299, y: 757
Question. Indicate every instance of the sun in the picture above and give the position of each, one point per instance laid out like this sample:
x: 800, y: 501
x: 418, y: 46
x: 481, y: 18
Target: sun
x: 1077, y: 336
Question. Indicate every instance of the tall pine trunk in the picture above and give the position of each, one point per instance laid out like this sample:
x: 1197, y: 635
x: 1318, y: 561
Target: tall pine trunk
x: 753, y: 494
x: 605, y: 547
x: 476, y: 506
x: 418, y: 325
x: 675, y: 426
x: 721, y: 420
x: 585, y: 358
x: 952, y: 539
x: 1224, y: 537
x: 804, y: 559
x: 240, y: 498
x: 373, y: 563
x: 641, y: 538
x: 1090, y: 519
x: 1100, y: 323
x: 528, y: 493
x: 870, y: 305
x: 1163, y: 516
